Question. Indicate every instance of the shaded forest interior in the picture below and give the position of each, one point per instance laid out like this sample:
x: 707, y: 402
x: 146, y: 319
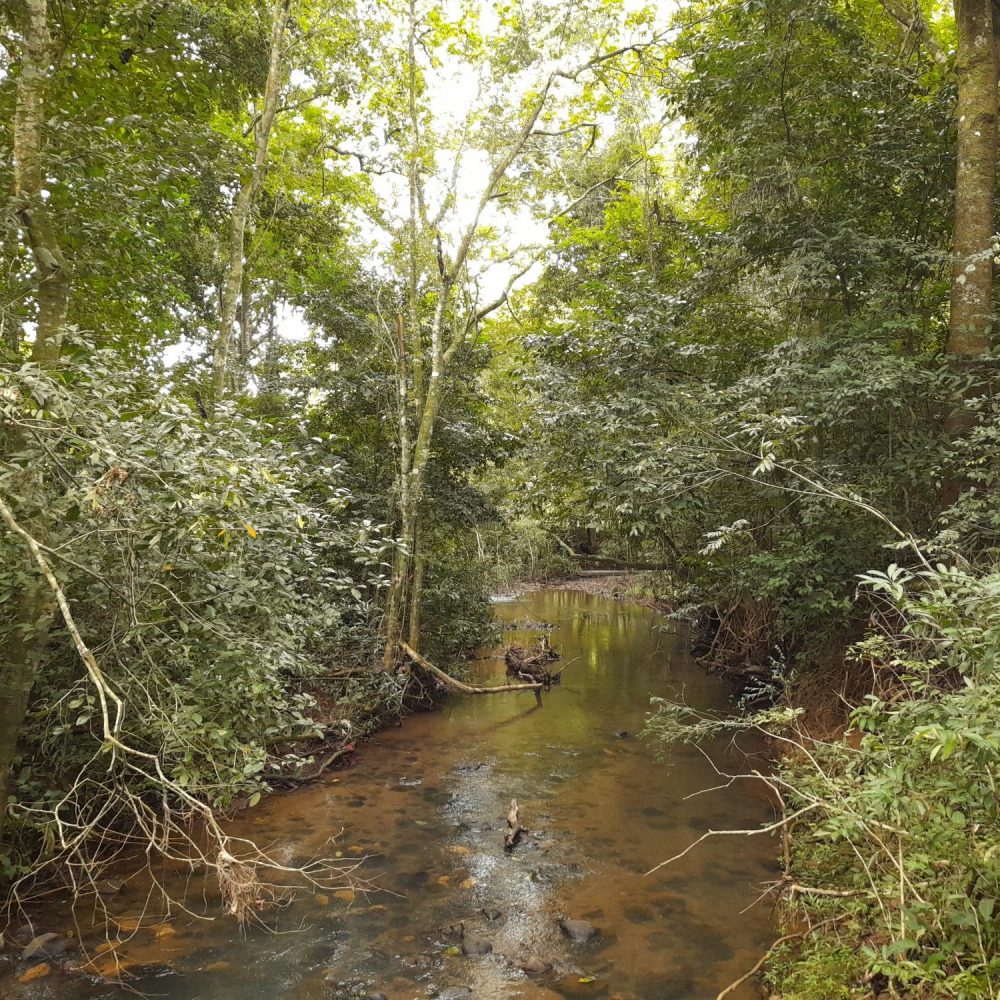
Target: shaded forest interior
x: 322, y: 323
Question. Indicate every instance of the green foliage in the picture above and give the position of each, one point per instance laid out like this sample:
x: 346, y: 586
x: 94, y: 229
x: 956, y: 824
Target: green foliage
x: 820, y: 970
x: 773, y: 304
x: 521, y: 551
x: 731, y: 362
x: 211, y: 569
x: 902, y: 828
x: 457, y: 615
x: 735, y: 366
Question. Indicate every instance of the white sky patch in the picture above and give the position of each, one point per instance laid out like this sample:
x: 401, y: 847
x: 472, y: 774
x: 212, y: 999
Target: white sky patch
x: 289, y: 324
x: 456, y: 93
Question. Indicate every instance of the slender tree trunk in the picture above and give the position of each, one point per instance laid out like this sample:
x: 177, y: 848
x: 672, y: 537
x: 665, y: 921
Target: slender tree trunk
x: 416, y: 345
x: 52, y: 271
x: 411, y: 490
x: 22, y: 659
x: 244, y: 319
x: 394, y: 614
x: 971, y: 319
x: 250, y: 185
x: 396, y: 604
x: 970, y: 325
x: 416, y: 591
x: 427, y: 393
x: 409, y: 387
x: 22, y: 655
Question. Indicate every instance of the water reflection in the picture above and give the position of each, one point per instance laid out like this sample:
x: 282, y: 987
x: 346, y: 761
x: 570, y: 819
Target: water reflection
x: 427, y: 803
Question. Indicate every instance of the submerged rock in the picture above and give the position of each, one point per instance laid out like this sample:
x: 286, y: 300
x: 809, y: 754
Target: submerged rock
x: 580, y: 931
x: 636, y: 913
x: 455, y: 993
x: 473, y: 946
x: 45, y: 946
x: 535, y: 966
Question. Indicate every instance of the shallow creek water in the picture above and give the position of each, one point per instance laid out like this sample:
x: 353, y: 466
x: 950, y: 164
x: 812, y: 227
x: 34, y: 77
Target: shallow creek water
x: 426, y: 804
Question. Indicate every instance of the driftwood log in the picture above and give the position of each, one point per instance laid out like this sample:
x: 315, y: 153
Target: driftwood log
x: 514, y: 827
x: 460, y: 687
x: 532, y: 664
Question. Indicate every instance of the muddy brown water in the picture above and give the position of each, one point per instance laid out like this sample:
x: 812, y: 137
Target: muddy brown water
x: 425, y: 805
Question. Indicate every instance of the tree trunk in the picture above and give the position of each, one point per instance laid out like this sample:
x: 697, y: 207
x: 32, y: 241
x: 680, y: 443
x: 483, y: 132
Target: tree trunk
x: 971, y: 319
x: 245, y: 312
x: 22, y: 659
x: 416, y: 594
x: 250, y: 185
x: 969, y: 330
x: 409, y: 394
x: 398, y: 588
x: 25, y: 645
x: 53, y: 276
x: 414, y: 460
x: 399, y: 584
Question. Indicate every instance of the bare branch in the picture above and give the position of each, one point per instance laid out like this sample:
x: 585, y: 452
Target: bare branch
x: 770, y: 828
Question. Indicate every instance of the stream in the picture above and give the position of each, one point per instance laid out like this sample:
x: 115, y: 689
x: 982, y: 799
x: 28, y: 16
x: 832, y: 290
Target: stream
x: 426, y: 804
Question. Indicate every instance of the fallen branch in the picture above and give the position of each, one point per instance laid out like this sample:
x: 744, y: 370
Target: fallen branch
x: 293, y: 781
x: 514, y: 827
x: 457, y: 685
x: 333, y: 758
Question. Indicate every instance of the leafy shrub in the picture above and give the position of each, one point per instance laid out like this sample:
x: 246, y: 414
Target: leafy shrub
x: 820, y: 970
x: 899, y: 834
x: 457, y: 613
x: 209, y: 567
x: 523, y: 550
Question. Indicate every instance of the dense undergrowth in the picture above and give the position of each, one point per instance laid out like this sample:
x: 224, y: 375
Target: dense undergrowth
x: 229, y: 583
x: 891, y: 843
